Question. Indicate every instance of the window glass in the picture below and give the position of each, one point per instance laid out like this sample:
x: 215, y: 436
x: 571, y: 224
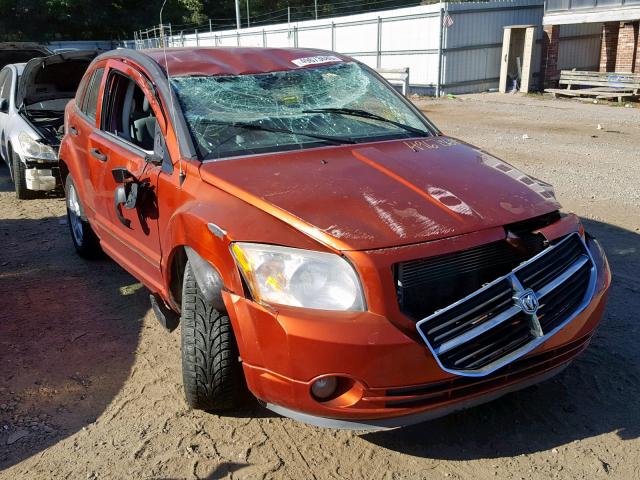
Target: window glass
x: 243, y: 114
x: 553, y: 5
x: 91, y: 101
x: 128, y: 113
x: 80, y: 93
x: 5, y: 85
x: 583, y: 3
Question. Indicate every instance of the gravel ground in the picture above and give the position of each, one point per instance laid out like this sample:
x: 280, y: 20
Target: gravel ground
x: 90, y: 385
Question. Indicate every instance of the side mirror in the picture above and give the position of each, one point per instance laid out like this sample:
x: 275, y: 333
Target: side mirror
x: 4, y: 105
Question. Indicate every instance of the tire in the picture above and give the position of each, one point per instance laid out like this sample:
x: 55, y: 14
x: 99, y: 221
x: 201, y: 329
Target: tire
x: 211, y: 373
x: 20, y: 180
x: 84, y: 239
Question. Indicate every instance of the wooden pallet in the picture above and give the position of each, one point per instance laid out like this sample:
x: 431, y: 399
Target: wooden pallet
x: 603, y: 85
x: 599, y: 93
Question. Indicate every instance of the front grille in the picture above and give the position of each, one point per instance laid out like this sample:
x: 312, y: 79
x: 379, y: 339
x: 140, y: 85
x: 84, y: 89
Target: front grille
x: 557, y: 304
x: 453, y: 276
x: 490, y: 327
x: 463, y: 317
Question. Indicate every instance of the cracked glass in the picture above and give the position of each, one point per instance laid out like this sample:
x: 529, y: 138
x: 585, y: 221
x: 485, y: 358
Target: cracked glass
x: 236, y: 115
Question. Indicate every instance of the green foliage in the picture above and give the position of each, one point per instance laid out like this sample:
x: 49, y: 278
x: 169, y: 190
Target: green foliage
x: 41, y: 20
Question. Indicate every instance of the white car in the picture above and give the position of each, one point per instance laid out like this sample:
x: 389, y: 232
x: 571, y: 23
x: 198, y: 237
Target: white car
x: 33, y: 96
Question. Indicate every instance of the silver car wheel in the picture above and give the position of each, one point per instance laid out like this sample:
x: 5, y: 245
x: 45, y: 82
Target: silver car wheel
x: 73, y: 206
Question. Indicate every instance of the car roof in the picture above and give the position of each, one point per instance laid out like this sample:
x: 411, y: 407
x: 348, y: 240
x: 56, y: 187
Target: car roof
x: 239, y: 60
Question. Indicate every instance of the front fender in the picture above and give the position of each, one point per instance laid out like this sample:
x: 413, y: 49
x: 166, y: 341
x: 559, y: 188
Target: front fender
x: 187, y: 227
x: 207, y: 222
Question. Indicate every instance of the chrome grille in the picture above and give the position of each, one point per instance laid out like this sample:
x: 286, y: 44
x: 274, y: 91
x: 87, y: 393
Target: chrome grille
x: 490, y: 327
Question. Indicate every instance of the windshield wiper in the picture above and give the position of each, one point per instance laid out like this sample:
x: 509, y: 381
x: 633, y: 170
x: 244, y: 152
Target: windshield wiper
x: 257, y: 126
x: 354, y: 112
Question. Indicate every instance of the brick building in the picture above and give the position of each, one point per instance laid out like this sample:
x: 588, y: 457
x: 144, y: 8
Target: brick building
x: 620, y: 38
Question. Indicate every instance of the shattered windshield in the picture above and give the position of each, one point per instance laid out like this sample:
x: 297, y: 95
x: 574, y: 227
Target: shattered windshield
x: 334, y: 104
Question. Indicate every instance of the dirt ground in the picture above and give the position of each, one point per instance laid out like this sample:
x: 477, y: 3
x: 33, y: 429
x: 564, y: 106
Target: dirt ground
x: 90, y: 384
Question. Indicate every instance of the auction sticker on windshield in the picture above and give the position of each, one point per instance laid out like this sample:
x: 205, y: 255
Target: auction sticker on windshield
x: 302, y: 62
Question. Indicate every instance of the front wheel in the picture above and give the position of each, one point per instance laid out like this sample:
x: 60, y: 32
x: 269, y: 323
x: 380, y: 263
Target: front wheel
x: 211, y: 373
x: 84, y: 239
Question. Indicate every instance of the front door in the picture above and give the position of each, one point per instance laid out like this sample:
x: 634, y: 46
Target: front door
x: 124, y: 140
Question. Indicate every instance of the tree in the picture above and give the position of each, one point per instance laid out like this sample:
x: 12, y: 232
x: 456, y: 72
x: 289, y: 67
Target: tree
x: 42, y: 20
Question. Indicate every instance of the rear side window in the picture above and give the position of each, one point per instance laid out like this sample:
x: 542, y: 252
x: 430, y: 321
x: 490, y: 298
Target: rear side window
x: 82, y: 90
x: 90, y: 100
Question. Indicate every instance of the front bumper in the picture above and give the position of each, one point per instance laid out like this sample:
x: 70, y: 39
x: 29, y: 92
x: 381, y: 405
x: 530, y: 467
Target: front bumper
x: 393, y: 379
x: 419, y: 416
x: 41, y: 175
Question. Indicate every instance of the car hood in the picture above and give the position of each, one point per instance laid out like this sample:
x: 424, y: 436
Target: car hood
x: 386, y: 194
x: 52, y: 77
x: 20, y: 52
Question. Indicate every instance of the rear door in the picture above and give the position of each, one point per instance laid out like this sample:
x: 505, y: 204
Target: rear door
x: 81, y: 124
x: 125, y: 138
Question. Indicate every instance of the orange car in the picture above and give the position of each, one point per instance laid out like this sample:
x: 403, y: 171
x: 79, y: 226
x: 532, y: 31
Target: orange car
x: 319, y: 240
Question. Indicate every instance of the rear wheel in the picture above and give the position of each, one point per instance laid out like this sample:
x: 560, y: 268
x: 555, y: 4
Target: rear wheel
x: 84, y: 239
x: 211, y: 372
x: 19, y: 178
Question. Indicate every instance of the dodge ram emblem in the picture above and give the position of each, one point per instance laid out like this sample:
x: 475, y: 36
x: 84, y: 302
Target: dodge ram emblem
x: 528, y: 302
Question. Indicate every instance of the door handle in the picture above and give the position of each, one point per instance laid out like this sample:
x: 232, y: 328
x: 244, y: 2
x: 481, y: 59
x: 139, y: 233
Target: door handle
x: 98, y: 154
x: 73, y: 130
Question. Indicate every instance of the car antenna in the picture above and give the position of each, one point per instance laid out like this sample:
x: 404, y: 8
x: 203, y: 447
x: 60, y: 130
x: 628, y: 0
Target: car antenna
x: 171, y: 94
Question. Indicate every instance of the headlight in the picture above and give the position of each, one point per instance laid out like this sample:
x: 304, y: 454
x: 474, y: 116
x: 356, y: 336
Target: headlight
x: 300, y: 278
x: 35, y: 149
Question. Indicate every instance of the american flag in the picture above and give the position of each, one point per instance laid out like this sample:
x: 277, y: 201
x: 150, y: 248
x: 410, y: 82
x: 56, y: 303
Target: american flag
x: 447, y: 21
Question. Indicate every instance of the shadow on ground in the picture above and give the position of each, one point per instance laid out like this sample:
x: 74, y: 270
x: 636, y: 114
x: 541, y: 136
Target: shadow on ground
x: 68, y: 334
x: 598, y: 394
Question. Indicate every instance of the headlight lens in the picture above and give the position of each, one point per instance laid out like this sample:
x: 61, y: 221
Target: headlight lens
x: 300, y: 278
x: 35, y: 149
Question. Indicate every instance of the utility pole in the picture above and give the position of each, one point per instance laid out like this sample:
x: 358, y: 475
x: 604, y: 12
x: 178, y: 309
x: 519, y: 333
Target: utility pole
x: 248, y: 21
x: 238, y: 14
x: 288, y: 14
x: 315, y: 3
